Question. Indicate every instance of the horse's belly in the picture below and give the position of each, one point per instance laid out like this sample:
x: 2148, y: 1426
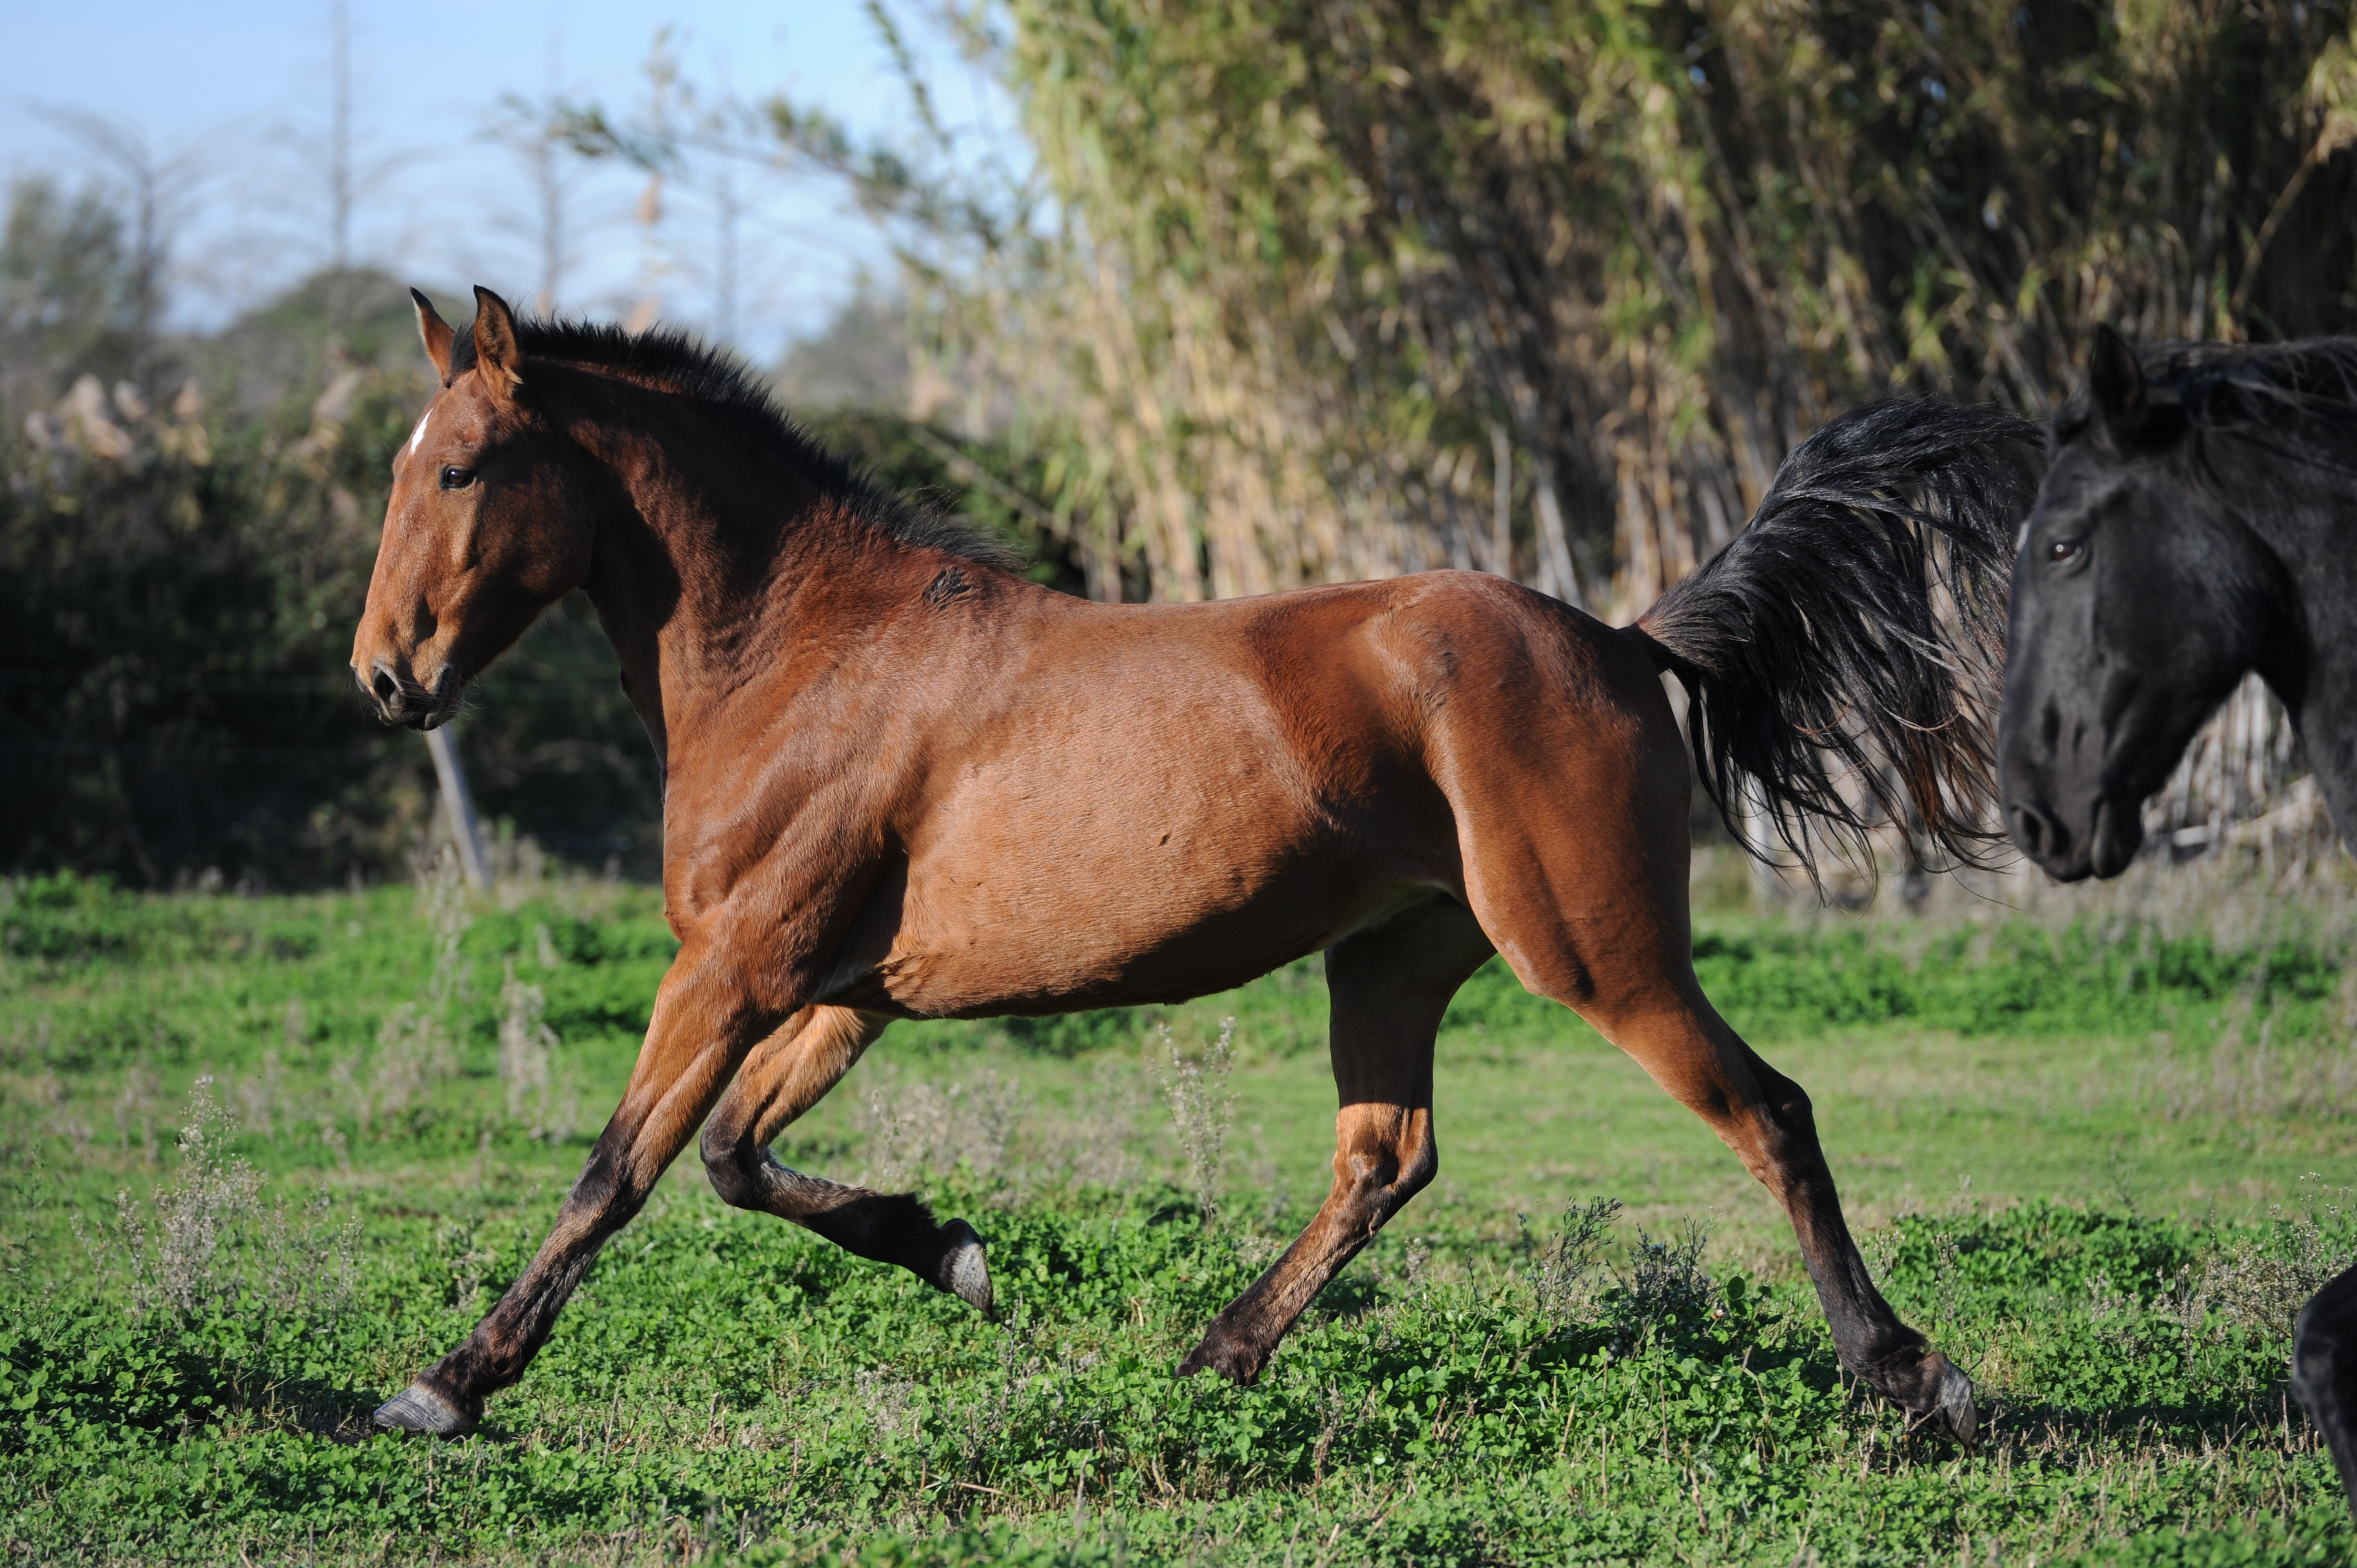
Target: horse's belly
x: 1166, y: 903
x: 1131, y: 845
x: 987, y: 956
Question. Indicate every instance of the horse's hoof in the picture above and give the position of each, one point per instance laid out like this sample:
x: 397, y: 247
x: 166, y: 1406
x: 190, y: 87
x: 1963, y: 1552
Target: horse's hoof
x: 1218, y: 1353
x: 964, y: 1273
x: 1952, y: 1411
x: 419, y: 1409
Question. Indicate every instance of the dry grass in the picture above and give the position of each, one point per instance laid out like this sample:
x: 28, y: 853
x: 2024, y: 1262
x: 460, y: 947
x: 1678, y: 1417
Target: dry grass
x: 914, y: 1128
x: 207, y: 1242
x: 1195, y: 1087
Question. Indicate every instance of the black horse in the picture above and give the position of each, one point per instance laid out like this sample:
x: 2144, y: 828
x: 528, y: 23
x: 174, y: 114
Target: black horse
x: 2199, y: 523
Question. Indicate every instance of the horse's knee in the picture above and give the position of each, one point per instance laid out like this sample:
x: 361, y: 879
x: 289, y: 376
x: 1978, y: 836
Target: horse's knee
x: 732, y: 1168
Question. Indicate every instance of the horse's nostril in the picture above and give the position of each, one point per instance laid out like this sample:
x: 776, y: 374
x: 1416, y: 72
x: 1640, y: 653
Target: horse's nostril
x: 385, y: 687
x: 2031, y: 830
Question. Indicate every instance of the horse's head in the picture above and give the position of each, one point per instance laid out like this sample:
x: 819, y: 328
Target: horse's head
x: 2136, y: 610
x: 490, y: 524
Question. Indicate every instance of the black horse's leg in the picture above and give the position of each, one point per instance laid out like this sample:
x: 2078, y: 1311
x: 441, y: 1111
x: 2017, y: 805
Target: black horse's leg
x: 2324, y: 1371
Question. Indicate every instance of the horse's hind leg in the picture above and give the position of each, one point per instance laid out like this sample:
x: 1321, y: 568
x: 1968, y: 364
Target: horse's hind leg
x: 786, y: 1075
x: 1765, y: 1118
x: 1576, y: 863
x: 1389, y: 987
x: 1627, y: 971
x: 2324, y: 1370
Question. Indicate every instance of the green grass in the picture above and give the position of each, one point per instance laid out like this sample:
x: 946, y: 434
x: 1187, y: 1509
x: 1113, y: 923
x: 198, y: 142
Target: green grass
x: 189, y: 1378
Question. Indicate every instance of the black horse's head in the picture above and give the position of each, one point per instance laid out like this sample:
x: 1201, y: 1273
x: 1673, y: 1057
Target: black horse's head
x: 2139, y: 600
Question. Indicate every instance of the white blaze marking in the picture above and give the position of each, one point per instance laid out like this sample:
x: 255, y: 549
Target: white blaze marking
x: 418, y: 435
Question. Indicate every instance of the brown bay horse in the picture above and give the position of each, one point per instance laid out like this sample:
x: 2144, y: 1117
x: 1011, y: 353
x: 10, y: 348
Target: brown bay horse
x: 901, y: 781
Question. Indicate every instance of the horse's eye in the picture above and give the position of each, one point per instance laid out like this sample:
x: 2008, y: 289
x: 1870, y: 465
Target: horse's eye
x: 457, y: 478
x: 2063, y: 552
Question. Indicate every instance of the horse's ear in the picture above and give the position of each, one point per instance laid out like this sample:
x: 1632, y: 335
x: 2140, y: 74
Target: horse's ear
x: 498, y: 356
x: 436, y: 332
x: 2115, y: 384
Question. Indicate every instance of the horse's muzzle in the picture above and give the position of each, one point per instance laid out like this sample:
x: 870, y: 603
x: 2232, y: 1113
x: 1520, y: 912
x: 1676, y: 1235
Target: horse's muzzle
x: 401, y: 700
x: 2115, y: 832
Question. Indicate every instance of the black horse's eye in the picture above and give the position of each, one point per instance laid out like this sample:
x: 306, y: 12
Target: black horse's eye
x: 2063, y: 552
x: 457, y: 478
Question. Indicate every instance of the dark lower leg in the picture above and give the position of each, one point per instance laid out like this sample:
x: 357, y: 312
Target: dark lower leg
x: 1385, y: 1155
x: 786, y: 1075
x: 701, y: 1031
x: 504, y: 1344
x: 1777, y: 1139
x: 2324, y: 1371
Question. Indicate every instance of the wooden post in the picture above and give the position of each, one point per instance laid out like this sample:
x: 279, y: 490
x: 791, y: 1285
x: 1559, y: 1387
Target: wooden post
x: 459, y: 806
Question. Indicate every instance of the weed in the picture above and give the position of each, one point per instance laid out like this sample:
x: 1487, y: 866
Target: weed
x: 1563, y: 1278
x: 914, y: 1128
x: 527, y: 1061
x: 2257, y: 1282
x: 1201, y: 1105
x: 207, y: 1244
x: 1093, y: 1143
x: 415, y: 1050
x: 413, y: 1054
x: 135, y: 1107
x: 1664, y: 1282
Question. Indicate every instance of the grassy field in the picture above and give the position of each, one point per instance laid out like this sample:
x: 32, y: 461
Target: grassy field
x: 260, y: 1158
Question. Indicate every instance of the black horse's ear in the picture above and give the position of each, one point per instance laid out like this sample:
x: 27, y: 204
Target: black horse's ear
x: 2116, y: 386
x: 498, y: 356
x: 436, y: 332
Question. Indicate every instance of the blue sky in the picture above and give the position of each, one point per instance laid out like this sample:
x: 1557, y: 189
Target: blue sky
x: 240, y: 91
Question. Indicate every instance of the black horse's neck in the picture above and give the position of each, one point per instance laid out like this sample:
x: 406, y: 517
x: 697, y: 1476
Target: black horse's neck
x: 2298, y: 499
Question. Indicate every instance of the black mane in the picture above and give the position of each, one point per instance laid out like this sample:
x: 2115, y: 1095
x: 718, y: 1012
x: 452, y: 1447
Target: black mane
x: 718, y: 382
x: 2282, y: 388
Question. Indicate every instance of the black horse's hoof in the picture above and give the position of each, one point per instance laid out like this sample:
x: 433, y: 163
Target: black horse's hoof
x: 419, y: 1409
x: 963, y: 1271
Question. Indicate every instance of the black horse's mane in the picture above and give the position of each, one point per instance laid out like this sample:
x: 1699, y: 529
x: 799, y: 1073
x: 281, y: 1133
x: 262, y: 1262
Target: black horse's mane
x: 719, y: 383
x: 2305, y: 390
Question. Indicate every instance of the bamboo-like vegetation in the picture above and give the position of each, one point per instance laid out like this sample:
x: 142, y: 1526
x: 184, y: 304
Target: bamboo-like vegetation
x: 1339, y: 290
x: 1335, y: 290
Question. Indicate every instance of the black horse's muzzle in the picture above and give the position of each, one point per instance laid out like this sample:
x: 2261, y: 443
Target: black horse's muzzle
x: 2113, y: 833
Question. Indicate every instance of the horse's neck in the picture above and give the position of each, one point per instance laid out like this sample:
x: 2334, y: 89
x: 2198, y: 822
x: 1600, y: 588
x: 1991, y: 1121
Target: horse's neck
x: 699, y: 576
x: 2309, y: 522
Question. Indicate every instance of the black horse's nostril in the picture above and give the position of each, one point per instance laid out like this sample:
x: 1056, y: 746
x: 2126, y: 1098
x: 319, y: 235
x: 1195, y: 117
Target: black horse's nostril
x: 385, y: 687
x: 2033, y: 831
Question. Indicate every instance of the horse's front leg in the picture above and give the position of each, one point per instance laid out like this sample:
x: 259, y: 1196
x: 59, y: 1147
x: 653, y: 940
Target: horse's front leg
x: 705, y: 1022
x: 2324, y: 1370
x: 787, y: 1074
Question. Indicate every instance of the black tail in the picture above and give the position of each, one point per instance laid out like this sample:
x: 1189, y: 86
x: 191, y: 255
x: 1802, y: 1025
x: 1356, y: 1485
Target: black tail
x: 1854, y: 632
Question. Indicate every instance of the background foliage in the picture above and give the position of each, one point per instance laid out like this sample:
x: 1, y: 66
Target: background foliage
x: 1333, y: 290
x: 1275, y: 292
